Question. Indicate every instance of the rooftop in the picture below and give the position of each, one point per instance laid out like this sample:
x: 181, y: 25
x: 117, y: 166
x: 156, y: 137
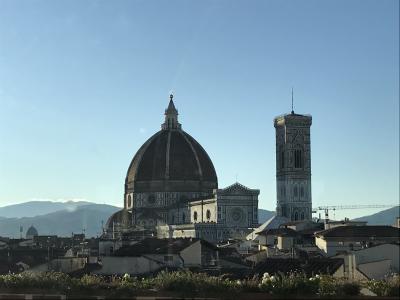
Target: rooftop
x: 360, y: 231
x: 159, y: 246
x: 279, y: 231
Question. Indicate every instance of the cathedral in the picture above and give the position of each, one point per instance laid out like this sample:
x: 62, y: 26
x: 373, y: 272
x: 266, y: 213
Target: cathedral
x: 171, y: 187
x: 171, y: 190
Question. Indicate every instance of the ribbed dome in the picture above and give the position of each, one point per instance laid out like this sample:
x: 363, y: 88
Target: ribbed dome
x: 171, y: 161
x: 171, y: 155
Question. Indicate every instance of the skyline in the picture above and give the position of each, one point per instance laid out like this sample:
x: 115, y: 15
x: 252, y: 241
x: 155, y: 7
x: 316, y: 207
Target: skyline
x: 84, y: 84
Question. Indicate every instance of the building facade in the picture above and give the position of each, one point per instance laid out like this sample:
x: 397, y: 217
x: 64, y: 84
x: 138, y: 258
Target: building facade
x: 293, y: 166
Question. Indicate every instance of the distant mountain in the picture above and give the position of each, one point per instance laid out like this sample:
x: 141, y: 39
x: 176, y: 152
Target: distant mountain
x: 384, y: 217
x: 37, y: 208
x: 62, y: 222
x: 264, y: 215
x: 63, y: 218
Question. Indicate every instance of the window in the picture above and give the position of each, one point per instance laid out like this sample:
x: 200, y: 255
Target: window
x: 208, y: 214
x: 296, y: 216
x: 295, y: 191
x: 129, y: 201
x: 151, y: 199
x: 298, y: 158
x: 302, y: 191
x: 183, y: 217
x: 302, y: 216
x: 168, y: 258
x: 282, y: 159
x: 195, y: 216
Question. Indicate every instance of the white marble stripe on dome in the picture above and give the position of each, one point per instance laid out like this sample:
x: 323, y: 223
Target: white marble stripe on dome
x: 194, y: 152
x: 167, y: 156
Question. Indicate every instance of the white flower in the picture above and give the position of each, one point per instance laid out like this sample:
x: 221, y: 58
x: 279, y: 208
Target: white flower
x: 126, y: 276
x: 317, y: 276
x: 238, y: 282
x: 273, y: 278
x: 266, y: 275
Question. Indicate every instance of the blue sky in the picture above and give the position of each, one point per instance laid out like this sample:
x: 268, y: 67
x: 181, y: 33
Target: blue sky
x: 83, y: 84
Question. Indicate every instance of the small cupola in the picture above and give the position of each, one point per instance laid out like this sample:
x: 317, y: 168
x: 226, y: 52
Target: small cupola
x: 171, y: 116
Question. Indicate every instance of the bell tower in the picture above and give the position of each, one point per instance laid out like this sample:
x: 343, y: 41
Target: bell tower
x: 293, y: 166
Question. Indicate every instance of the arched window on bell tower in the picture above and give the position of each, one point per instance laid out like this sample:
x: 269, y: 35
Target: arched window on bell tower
x: 298, y: 158
x: 282, y: 159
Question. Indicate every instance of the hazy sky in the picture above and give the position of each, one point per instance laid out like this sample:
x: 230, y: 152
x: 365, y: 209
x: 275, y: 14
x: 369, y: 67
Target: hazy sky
x: 83, y: 84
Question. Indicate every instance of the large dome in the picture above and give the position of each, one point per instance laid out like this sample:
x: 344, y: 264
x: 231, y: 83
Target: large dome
x: 171, y: 160
x: 31, y: 232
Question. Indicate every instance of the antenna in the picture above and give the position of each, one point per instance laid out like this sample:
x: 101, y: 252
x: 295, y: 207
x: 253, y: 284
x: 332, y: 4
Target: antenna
x: 292, y: 102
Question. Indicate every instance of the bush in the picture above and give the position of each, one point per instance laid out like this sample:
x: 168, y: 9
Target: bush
x: 327, y: 286
x: 294, y: 283
x: 249, y: 285
x: 190, y: 283
x: 389, y: 287
x: 350, y: 288
x: 187, y: 282
x: 92, y: 282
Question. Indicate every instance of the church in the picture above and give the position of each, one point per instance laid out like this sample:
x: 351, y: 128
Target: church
x: 171, y: 190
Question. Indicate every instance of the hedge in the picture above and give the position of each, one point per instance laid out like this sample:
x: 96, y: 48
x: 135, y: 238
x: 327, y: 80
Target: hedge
x: 190, y: 283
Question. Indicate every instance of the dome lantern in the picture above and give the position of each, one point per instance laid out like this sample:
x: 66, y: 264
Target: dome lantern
x: 171, y: 116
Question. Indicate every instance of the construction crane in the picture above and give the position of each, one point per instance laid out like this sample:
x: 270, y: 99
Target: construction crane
x: 326, y: 209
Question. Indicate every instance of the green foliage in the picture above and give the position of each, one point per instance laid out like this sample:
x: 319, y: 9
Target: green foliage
x: 331, y: 286
x: 327, y: 286
x: 46, y: 280
x: 350, y: 288
x: 186, y: 282
x: 292, y: 284
x: 249, y: 285
x: 389, y: 287
x: 189, y: 283
x: 92, y: 282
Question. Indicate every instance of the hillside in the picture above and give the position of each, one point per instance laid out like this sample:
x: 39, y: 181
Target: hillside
x: 36, y: 208
x: 64, y: 218
x: 384, y: 217
x: 62, y: 222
